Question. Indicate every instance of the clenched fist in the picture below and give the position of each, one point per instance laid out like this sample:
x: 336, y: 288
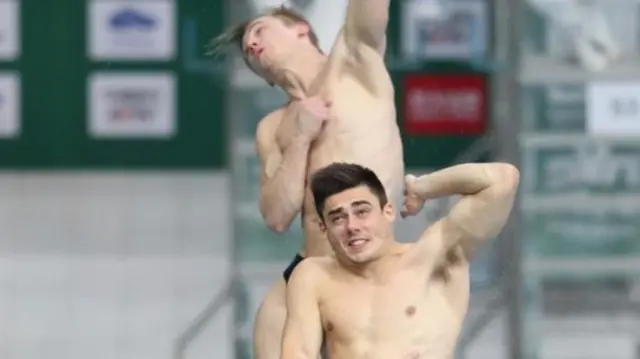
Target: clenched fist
x: 312, y: 113
x: 413, y: 203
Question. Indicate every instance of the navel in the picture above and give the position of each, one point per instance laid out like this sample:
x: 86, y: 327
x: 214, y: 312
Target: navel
x: 410, y: 311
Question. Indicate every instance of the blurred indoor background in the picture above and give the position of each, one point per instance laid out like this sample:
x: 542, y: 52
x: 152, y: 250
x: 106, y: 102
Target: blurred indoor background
x: 129, y: 226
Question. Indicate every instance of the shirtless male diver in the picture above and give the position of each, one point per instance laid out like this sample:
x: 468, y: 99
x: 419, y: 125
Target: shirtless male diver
x: 341, y: 108
x: 381, y: 299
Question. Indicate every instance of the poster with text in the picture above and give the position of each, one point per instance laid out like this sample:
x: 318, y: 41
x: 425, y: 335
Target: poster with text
x: 440, y: 105
x: 9, y: 30
x: 10, y: 105
x: 132, y: 106
x: 131, y: 30
x: 613, y: 109
x: 457, y: 31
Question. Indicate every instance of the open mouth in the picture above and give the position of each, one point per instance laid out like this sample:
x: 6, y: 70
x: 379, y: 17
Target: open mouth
x: 357, y: 243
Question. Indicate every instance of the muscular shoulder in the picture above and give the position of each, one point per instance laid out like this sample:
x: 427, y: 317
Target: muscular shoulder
x: 313, y: 266
x: 270, y: 122
x: 267, y: 128
x: 311, y: 270
x: 362, y: 63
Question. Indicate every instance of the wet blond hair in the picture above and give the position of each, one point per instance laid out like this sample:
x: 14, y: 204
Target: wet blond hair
x: 235, y: 34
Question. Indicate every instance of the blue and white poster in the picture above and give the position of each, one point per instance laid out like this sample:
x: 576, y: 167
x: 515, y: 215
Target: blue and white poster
x: 131, y: 30
x: 439, y: 29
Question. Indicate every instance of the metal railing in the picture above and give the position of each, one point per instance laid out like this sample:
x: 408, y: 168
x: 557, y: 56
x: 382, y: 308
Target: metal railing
x: 203, y: 319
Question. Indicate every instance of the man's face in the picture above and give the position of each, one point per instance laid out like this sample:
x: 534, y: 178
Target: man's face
x: 357, y: 228
x: 269, y: 42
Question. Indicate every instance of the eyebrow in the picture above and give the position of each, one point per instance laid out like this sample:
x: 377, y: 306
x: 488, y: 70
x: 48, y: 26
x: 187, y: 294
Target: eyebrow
x: 353, y: 204
x: 360, y: 203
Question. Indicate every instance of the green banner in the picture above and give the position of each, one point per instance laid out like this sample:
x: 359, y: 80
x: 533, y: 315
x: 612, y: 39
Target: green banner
x: 55, y: 72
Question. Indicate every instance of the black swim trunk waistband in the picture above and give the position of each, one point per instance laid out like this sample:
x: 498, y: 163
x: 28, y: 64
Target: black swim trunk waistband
x: 294, y: 263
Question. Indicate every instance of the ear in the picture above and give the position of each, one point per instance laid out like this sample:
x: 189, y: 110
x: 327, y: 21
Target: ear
x: 302, y: 29
x: 389, y: 212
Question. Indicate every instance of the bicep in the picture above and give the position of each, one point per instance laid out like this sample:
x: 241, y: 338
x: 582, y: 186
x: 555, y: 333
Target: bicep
x: 471, y: 221
x: 366, y: 23
x: 303, y: 329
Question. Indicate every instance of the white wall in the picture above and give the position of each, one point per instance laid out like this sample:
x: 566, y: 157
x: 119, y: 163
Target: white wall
x: 110, y: 265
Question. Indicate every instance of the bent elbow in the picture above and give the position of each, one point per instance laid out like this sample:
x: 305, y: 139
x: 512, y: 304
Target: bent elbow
x: 506, y: 176
x: 274, y: 222
x: 512, y: 176
x: 277, y: 227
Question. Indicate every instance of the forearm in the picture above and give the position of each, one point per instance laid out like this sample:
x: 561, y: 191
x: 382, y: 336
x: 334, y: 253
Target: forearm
x: 481, y: 215
x: 282, y: 196
x: 464, y: 179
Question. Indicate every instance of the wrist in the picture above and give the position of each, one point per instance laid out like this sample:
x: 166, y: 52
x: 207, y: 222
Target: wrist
x: 302, y: 141
x: 423, y: 188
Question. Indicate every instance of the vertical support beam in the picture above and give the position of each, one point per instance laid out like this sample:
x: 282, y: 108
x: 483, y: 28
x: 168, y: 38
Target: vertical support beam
x: 232, y: 128
x: 508, y: 129
x: 508, y: 16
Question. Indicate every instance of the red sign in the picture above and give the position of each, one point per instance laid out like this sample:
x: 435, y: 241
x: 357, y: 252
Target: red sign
x: 444, y: 104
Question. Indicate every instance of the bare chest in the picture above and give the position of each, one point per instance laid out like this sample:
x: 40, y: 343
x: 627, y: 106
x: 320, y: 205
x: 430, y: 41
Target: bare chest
x: 360, y: 126
x: 405, y: 314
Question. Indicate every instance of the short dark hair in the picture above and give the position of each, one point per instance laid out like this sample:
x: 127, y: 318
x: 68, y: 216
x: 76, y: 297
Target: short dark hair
x: 339, y: 177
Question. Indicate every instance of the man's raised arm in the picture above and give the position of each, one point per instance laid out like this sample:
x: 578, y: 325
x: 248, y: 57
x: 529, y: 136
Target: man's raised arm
x: 302, y: 338
x: 488, y: 191
x: 367, y: 23
x: 283, y: 174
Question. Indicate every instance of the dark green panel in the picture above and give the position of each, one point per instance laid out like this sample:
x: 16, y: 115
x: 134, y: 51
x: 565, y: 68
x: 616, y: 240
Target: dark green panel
x: 421, y: 151
x: 433, y: 151
x: 54, y: 69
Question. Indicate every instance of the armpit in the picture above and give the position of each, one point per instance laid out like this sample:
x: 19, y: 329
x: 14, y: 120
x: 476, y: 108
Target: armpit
x: 453, y: 258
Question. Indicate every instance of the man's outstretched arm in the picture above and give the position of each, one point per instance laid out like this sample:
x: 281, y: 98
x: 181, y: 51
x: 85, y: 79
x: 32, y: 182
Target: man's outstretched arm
x: 488, y: 191
x: 283, y: 175
x: 302, y: 338
x: 367, y: 23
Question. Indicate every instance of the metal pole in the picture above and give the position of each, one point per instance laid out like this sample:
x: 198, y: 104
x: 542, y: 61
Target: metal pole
x: 232, y: 165
x: 508, y: 132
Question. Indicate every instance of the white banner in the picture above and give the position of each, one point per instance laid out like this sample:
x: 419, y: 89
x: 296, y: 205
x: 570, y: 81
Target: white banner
x: 132, y: 105
x: 613, y: 109
x: 10, y: 104
x: 131, y: 30
x: 444, y: 29
x: 9, y: 29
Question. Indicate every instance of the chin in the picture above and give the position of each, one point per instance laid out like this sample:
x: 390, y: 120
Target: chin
x: 363, y: 256
x: 360, y: 259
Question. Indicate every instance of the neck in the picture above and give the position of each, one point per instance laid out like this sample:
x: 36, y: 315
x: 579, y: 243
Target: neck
x: 300, y: 73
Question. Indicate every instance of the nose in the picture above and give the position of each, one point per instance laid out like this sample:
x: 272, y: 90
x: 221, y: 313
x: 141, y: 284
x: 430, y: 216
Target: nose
x: 253, y: 48
x: 353, y: 225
